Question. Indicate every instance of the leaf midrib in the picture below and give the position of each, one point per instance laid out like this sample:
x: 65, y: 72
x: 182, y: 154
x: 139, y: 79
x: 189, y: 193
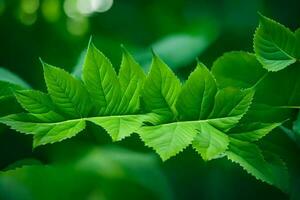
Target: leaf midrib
x: 67, y: 95
x: 77, y: 119
x: 280, y: 49
x: 98, y: 74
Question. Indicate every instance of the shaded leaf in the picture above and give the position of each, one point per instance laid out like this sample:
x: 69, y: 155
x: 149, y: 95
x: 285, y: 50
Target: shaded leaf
x: 252, y: 132
x: 233, y: 69
x: 270, y: 169
x: 274, y: 45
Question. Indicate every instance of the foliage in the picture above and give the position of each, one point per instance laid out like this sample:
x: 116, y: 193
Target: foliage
x: 218, y: 112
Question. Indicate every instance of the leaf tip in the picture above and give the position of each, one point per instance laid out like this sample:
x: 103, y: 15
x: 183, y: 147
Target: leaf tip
x: 200, y: 64
x: 164, y: 158
x: 154, y: 54
x: 18, y: 93
x: 124, y: 49
x: 115, y: 138
x: 91, y: 40
x: 41, y: 61
x: 91, y: 43
x: 44, y: 64
x: 155, y: 57
x: 198, y: 60
x: 35, y: 144
x: 262, y: 18
x: 260, y: 14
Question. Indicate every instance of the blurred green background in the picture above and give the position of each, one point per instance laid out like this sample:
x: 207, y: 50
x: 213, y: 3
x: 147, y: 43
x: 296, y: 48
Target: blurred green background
x: 89, y: 166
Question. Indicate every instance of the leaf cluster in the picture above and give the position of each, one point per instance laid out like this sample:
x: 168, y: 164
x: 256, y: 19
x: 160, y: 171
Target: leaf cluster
x: 218, y: 112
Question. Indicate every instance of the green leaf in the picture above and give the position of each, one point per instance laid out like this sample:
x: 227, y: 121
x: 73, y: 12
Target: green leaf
x: 66, y: 92
x: 169, y: 139
x: 269, y: 168
x: 208, y: 135
x: 196, y: 102
x: 39, y: 104
x: 132, y: 78
x: 271, y: 92
x: 274, y: 45
x: 230, y: 106
x: 101, y: 81
x: 161, y: 90
x: 211, y: 143
x: 279, y: 170
x: 270, y: 88
x: 274, y: 96
x: 252, y: 132
x: 199, y: 84
x: 44, y: 133
x: 233, y: 69
x: 209, y: 112
x: 119, y: 127
x: 275, y: 90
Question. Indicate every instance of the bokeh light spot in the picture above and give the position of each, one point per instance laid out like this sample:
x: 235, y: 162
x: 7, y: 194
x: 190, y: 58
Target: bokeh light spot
x: 51, y: 10
x: 87, y: 7
x: 29, y: 6
x: 78, y: 27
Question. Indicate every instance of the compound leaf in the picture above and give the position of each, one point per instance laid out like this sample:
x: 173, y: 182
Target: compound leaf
x: 208, y: 112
